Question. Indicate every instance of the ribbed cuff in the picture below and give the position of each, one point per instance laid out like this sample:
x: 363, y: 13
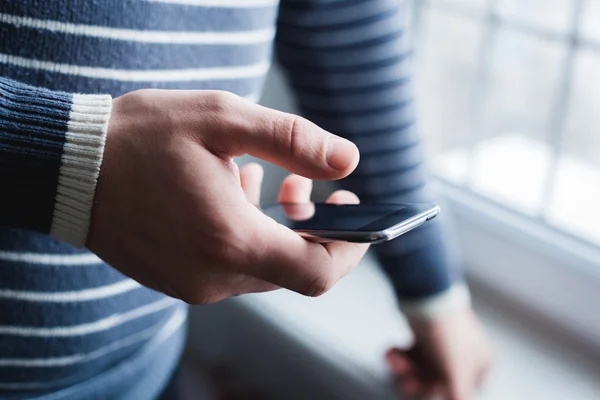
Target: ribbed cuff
x: 80, y: 166
x: 455, y: 298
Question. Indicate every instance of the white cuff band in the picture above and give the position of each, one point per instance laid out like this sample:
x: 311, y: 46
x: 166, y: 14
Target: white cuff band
x: 80, y: 166
x: 456, y: 298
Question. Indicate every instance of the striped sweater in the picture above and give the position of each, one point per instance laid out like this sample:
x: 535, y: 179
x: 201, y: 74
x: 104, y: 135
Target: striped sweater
x: 71, y: 327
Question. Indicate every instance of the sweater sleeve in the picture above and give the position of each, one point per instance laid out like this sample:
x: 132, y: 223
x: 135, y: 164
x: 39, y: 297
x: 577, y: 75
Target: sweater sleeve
x: 348, y: 63
x: 51, y: 147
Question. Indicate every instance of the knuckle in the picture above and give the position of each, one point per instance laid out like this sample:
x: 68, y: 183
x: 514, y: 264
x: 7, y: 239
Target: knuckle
x: 296, y: 135
x: 220, y: 102
x: 219, y: 116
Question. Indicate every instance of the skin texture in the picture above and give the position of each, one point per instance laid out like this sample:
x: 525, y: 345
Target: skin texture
x: 173, y: 211
x: 449, y: 359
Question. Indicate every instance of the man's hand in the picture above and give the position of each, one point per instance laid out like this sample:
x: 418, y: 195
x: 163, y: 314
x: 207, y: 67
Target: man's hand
x: 172, y: 212
x: 449, y: 359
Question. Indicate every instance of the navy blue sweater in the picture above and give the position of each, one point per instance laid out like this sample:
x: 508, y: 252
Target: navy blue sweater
x: 70, y: 325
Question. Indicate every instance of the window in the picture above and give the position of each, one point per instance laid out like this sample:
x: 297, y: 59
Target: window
x: 510, y: 104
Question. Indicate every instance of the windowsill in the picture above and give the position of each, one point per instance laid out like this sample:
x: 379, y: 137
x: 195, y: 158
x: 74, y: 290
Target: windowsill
x: 530, y: 265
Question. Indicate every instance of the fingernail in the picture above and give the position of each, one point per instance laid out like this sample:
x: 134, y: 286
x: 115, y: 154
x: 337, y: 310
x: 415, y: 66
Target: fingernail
x: 341, y: 153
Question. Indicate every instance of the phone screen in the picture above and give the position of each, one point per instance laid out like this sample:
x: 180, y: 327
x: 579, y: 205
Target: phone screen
x: 333, y: 217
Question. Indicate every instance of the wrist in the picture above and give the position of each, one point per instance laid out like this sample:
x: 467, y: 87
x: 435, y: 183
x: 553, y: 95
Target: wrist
x: 452, y: 300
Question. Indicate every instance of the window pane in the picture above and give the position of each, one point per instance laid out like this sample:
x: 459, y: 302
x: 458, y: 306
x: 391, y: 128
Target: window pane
x: 583, y: 122
x: 511, y: 157
x: 548, y: 14
x: 576, y: 197
x: 511, y: 169
x: 591, y: 20
x: 511, y: 161
x: 522, y: 85
x: 445, y: 79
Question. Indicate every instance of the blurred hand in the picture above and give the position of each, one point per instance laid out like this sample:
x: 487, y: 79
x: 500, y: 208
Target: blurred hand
x: 172, y: 211
x: 449, y: 359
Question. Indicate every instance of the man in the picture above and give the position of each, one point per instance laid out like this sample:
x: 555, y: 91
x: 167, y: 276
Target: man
x: 145, y: 179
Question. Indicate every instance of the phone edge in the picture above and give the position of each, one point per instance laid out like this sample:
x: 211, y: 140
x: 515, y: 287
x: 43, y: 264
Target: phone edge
x: 375, y: 236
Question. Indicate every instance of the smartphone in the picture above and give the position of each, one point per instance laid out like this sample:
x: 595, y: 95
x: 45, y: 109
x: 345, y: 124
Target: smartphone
x: 361, y: 223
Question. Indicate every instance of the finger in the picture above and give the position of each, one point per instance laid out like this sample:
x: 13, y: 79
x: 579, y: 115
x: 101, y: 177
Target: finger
x: 295, y: 197
x: 284, y: 139
x: 343, y: 197
x: 299, y: 212
x: 295, y: 189
x: 251, y: 177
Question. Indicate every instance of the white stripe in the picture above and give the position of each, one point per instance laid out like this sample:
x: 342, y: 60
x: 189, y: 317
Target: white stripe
x: 456, y: 298
x: 97, y: 293
x: 221, y: 3
x: 92, y: 327
x: 50, y: 259
x: 144, y: 36
x: 167, y: 329
x: 148, y: 349
x: 155, y: 75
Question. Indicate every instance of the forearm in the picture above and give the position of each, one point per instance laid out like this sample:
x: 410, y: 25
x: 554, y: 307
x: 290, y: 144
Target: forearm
x: 51, y: 147
x: 350, y: 66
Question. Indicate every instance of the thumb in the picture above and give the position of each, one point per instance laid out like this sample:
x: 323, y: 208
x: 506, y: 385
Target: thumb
x: 286, y: 140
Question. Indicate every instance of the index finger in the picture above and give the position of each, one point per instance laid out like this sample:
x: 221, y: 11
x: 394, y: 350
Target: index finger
x: 284, y: 139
